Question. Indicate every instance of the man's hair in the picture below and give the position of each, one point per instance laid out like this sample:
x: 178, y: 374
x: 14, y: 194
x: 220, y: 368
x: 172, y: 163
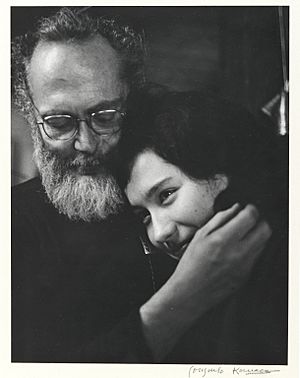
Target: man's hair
x: 73, y: 25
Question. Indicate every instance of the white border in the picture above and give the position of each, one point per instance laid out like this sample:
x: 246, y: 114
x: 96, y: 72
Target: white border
x: 35, y: 370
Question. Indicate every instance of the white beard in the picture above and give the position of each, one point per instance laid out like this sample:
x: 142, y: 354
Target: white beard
x: 80, y: 197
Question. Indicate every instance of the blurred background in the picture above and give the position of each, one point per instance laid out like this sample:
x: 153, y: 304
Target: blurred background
x: 238, y: 52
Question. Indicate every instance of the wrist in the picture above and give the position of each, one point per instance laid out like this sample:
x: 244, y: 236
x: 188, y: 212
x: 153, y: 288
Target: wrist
x: 165, y: 318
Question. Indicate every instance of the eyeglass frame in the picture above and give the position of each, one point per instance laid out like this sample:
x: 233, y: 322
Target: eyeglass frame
x: 87, y: 120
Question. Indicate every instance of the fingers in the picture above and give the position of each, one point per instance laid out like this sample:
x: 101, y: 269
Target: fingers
x: 241, y: 224
x: 220, y: 219
x: 250, y: 248
x: 257, y: 237
x: 261, y: 230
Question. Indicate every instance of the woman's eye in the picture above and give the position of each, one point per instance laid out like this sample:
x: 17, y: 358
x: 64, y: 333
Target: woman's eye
x: 164, y: 196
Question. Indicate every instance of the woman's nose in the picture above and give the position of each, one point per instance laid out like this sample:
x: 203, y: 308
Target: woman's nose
x: 85, y: 140
x: 163, y: 230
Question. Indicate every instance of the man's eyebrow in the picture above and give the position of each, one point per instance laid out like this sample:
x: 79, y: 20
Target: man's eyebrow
x: 106, y: 104
x: 149, y: 193
x: 102, y: 105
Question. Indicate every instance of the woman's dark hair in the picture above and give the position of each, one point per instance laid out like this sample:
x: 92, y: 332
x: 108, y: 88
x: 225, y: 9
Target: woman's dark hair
x: 204, y: 136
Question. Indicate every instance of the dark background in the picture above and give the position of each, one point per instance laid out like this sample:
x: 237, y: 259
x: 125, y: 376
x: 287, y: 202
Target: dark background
x: 234, y: 51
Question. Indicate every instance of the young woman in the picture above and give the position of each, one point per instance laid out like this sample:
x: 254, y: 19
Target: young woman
x: 187, y: 157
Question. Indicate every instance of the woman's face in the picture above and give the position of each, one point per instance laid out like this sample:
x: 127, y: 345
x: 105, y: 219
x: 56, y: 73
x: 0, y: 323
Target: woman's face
x: 171, y: 205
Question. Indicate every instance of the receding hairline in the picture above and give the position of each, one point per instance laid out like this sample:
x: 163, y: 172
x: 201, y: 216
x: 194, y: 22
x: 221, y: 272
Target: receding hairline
x: 103, y: 43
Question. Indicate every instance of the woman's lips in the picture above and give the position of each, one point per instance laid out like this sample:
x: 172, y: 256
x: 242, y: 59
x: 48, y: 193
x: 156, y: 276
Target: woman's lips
x: 178, y: 251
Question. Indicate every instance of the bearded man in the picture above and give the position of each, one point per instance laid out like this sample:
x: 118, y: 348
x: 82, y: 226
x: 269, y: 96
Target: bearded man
x: 82, y: 288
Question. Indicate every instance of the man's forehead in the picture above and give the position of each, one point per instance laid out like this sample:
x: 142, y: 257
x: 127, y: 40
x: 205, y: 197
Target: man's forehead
x: 84, y: 58
x: 88, y: 71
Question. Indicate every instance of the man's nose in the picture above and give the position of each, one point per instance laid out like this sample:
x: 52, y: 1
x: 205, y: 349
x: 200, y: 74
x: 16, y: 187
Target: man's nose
x: 85, y: 140
x: 164, y: 229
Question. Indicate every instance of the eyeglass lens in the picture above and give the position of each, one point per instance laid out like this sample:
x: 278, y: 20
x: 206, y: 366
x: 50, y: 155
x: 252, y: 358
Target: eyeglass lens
x: 63, y: 127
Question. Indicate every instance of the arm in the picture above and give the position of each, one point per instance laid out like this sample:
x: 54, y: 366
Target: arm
x: 218, y: 260
x: 45, y: 327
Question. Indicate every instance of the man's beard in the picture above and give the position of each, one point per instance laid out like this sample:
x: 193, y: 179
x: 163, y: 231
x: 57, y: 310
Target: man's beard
x: 87, y: 197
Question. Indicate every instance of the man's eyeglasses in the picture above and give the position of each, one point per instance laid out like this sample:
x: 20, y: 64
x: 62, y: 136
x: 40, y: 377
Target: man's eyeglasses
x: 65, y: 126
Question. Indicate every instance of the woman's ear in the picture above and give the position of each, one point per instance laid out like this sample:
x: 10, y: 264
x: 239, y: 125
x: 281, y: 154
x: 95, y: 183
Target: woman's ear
x: 219, y: 183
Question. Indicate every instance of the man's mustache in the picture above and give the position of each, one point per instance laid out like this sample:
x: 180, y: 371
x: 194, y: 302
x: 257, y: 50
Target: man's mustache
x: 78, y: 161
x: 85, y: 162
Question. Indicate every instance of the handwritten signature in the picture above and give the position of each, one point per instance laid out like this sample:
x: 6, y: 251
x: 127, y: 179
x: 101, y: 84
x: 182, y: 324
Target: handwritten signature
x: 238, y: 371
x: 203, y: 371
